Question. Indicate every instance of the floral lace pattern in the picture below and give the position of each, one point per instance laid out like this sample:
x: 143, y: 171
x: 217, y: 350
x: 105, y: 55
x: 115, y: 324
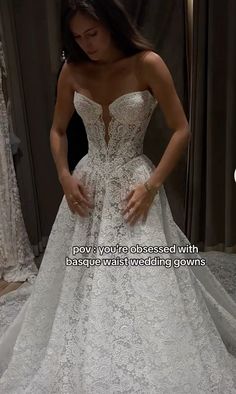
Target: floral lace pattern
x: 120, y: 329
x: 16, y: 256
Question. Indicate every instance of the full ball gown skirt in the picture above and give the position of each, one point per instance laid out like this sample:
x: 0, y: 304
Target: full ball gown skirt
x: 100, y: 329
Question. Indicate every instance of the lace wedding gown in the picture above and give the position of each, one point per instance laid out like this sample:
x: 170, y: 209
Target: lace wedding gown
x: 16, y: 255
x: 122, y: 328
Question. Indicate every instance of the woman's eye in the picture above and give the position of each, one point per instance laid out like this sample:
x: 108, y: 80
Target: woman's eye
x: 90, y: 35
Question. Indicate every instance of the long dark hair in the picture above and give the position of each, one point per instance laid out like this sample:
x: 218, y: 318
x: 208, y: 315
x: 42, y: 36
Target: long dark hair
x: 115, y: 18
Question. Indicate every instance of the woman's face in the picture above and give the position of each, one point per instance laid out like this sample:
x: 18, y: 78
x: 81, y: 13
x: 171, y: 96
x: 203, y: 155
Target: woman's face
x: 93, y: 38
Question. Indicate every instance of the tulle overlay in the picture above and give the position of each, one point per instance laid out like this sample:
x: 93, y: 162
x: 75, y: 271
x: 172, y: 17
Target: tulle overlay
x: 119, y: 328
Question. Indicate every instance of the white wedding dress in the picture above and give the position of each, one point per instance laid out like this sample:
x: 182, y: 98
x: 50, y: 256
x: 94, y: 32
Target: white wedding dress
x: 100, y: 329
x: 16, y: 255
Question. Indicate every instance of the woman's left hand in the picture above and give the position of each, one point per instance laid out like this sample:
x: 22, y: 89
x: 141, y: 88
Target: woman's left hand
x: 139, y: 200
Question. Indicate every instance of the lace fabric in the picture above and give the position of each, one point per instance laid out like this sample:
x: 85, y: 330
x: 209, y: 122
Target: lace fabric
x: 119, y: 329
x: 16, y: 256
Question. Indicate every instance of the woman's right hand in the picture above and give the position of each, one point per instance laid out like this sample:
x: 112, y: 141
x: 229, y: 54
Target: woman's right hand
x: 74, y: 192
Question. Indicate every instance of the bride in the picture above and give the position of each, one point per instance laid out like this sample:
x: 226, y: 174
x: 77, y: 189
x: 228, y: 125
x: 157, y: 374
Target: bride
x: 116, y: 306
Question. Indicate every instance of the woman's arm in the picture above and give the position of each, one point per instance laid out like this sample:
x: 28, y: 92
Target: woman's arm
x: 74, y: 190
x: 159, y: 79
x: 63, y: 112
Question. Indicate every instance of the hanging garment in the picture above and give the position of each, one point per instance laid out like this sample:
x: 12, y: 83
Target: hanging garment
x: 16, y: 256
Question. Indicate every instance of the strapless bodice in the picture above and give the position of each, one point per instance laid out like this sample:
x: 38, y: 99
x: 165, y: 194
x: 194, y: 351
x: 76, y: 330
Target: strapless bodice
x: 130, y: 115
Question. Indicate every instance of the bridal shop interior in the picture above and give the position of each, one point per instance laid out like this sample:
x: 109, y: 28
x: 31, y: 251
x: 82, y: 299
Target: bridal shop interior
x: 195, y: 38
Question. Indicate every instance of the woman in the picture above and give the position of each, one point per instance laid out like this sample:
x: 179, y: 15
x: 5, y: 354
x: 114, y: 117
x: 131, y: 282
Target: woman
x: 100, y: 76
x: 99, y: 321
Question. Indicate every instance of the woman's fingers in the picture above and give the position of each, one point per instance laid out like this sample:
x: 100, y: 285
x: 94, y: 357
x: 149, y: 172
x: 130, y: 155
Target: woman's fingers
x: 76, y: 205
x: 136, y: 213
x: 82, y: 209
x: 71, y: 206
x: 83, y: 196
x: 145, y: 216
x: 131, y: 192
x: 129, y: 206
x: 132, y: 216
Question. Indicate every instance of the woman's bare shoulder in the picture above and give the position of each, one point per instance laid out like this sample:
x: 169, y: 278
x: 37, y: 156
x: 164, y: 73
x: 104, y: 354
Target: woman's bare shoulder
x: 65, y: 81
x: 153, y: 64
x: 147, y: 56
x: 68, y: 69
x: 68, y: 74
x: 76, y: 73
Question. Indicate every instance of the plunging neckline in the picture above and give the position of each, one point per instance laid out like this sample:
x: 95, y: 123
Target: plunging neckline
x: 101, y: 106
x: 114, y: 101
